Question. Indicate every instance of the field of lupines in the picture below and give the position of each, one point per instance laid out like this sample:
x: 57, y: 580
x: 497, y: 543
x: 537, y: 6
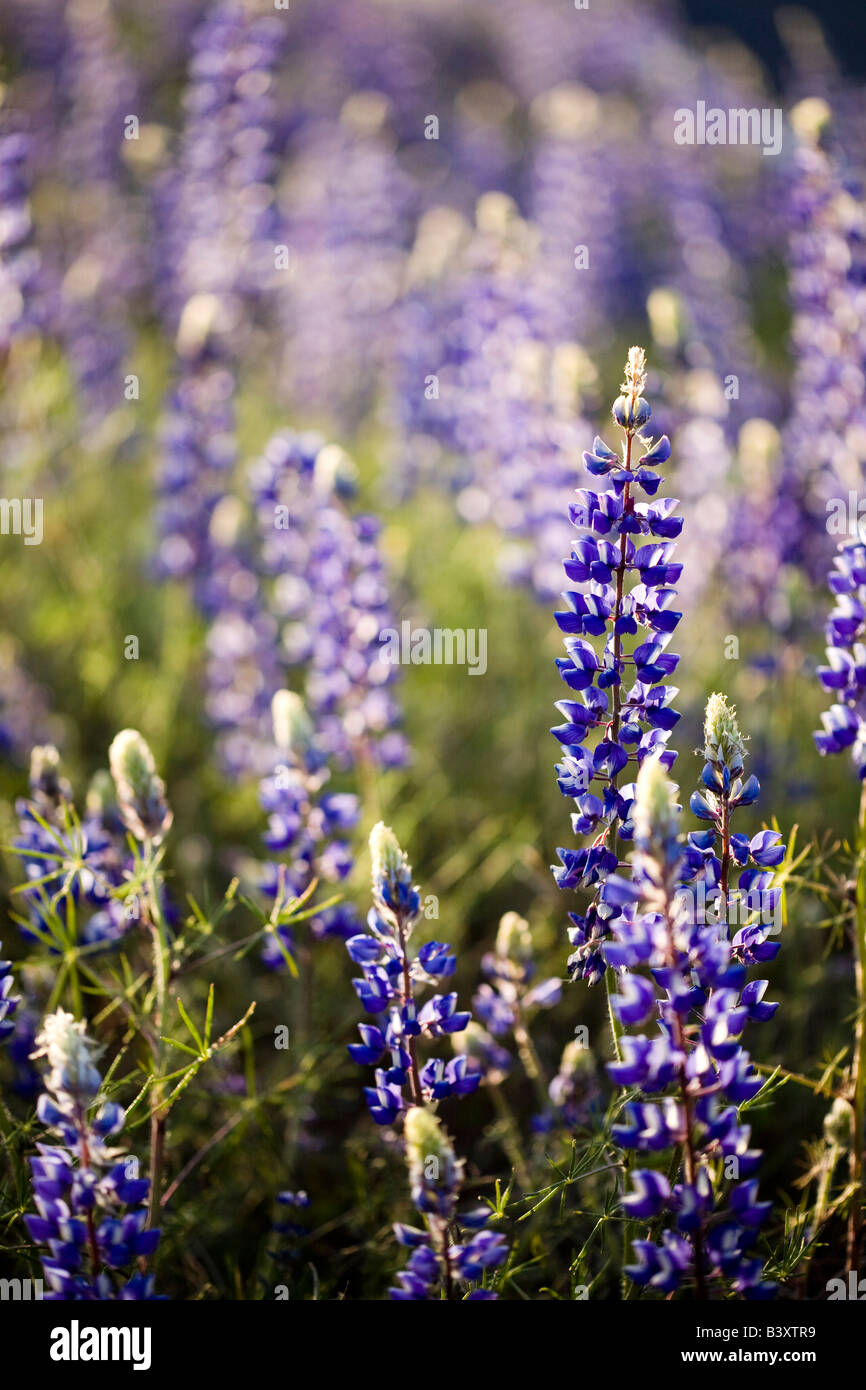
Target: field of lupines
x: 383, y: 382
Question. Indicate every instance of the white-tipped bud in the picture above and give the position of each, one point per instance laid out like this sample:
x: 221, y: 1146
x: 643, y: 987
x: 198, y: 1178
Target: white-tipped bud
x: 429, y: 1152
x: 810, y: 118
x: 70, y: 1055
x: 514, y: 939
x: 140, y: 790
x: 635, y: 373
x: 723, y: 742
x: 837, y: 1124
x: 47, y: 782
x: 334, y: 471
x: 389, y: 862
x: 293, y: 728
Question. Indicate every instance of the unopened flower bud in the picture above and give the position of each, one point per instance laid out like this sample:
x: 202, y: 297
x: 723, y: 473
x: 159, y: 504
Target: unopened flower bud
x: 837, y: 1124
x: 140, y: 790
x: 656, y: 813
x: 293, y: 728
x: 47, y: 784
x: 724, y: 745
x: 514, y: 939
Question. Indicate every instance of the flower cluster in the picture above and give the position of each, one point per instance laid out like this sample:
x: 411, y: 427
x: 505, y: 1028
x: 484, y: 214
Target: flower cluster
x: 327, y: 591
x: 19, y: 262
x: 823, y: 440
x: 287, y: 1230
x: 9, y: 1002
x: 692, y: 1075
x: 306, y: 823
x: 506, y: 1005
x: 436, y: 1266
x: 754, y: 900
x: 390, y: 980
x: 76, y: 868
x: 623, y: 564
x: 139, y: 789
x: 503, y: 1003
x: 844, y: 676
x: 91, y: 1203
x: 573, y: 1091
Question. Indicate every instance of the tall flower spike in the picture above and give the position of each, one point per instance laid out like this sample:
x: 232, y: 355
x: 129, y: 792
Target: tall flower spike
x: 306, y: 824
x: 844, y: 676
x: 140, y: 790
x: 508, y: 1001
x: 9, y: 1002
x: 753, y: 902
x: 391, y: 978
x: 91, y: 1203
x: 74, y: 866
x: 692, y: 1074
x: 622, y: 564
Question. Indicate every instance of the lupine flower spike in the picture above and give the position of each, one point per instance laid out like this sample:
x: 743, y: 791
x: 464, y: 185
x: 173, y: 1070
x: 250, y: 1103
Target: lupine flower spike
x: 844, y: 677
x: 90, y: 1200
x: 140, y: 790
x: 622, y: 565
x: 306, y: 823
x: 692, y: 1074
x: 9, y: 1002
x: 392, y: 976
x: 437, y: 1266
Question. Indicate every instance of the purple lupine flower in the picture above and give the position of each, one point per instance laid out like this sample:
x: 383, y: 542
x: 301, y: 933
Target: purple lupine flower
x: 844, y: 723
x: 326, y: 587
x: 391, y: 978
x: 500, y: 424
x: 692, y: 1075
x: 198, y: 447
x: 510, y: 968
x: 437, y: 1266
x: 216, y: 209
x: 19, y: 260
x: 298, y: 598
x: 822, y: 440
x: 844, y: 675
x: 573, y: 1091
x: 622, y: 564
x: 66, y: 857
x: 216, y: 219
x: 105, y: 262
x: 24, y: 717
x: 484, y: 1054
x: 725, y: 789
x: 9, y: 1002
x: 306, y: 826
x: 91, y: 1203
x: 287, y: 1230
x: 506, y: 1004
x: 349, y: 211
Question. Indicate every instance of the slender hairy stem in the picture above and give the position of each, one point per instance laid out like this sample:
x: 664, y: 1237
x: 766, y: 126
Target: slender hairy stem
x: 446, y: 1261
x: 414, y: 1075
x: 95, y: 1265
x: 529, y: 1058
x: 689, y: 1151
x: 158, y: 1118
x: 510, y: 1137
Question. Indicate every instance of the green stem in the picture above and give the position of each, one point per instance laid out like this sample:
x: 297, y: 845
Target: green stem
x: 529, y: 1058
x: 158, y: 1118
